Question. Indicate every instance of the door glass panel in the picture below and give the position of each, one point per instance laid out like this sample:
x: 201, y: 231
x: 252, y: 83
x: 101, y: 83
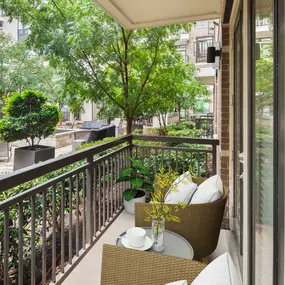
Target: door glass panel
x: 238, y: 132
x: 263, y: 144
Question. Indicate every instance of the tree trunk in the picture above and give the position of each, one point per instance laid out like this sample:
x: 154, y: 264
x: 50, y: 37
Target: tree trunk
x: 129, y: 125
x: 179, y: 113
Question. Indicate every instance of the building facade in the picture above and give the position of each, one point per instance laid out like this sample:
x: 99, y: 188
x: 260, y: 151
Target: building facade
x: 14, y: 28
x: 193, y: 47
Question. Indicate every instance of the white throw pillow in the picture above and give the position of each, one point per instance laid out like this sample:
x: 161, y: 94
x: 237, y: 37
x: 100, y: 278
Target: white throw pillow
x: 181, y: 190
x: 210, y: 190
x: 181, y: 282
x: 221, y: 271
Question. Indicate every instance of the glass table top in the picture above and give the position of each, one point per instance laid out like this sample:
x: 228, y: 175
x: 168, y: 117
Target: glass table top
x: 174, y: 244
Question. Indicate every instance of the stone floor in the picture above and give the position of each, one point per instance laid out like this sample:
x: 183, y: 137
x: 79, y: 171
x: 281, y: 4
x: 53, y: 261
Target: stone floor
x: 88, y: 271
x: 7, y: 167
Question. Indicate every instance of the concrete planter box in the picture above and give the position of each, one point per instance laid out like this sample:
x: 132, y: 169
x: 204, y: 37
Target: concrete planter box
x: 26, y: 157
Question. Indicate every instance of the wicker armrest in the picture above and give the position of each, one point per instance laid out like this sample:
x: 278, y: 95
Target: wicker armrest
x: 121, y: 266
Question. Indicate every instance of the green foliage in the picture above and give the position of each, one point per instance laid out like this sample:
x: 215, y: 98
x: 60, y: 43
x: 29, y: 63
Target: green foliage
x: 104, y: 62
x: 161, y: 211
x: 21, y: 68
x: 99, y: 142
x: 181, y: 126
x: 175, y: 87
x: 138, y: 176
x: 29, y: 117
x: 190, y: 133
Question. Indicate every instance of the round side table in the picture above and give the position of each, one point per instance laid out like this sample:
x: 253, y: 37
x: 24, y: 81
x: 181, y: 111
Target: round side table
x: 174, y: 244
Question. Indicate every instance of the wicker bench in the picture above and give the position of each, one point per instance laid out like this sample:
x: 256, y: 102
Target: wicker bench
x: 122, y: 266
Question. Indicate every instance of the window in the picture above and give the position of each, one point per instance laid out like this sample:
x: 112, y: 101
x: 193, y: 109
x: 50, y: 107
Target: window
x: 183, y: 51
x: 202, y: 24
x: 200, y: 48
x: 1, y: 26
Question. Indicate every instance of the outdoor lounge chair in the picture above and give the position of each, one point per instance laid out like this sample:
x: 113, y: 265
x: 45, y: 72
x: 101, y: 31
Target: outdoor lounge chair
x: 122, y: 266
x: 200, y: 224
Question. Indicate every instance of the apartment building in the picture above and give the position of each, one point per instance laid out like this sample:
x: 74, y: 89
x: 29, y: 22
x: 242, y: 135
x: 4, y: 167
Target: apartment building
x: 15, y: 28
x: 193, y: 46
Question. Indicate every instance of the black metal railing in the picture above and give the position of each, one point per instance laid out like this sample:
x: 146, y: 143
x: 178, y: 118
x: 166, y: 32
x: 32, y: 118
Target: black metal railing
x: 206, y: 125
x: 52, y: 213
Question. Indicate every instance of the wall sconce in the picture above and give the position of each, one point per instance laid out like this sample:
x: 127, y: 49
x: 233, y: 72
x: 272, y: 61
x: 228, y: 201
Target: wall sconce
x: 212, y: 52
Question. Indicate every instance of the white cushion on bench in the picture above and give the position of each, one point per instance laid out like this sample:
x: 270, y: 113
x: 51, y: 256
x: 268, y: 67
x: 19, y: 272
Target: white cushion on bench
x: 210, y: 190
x: 181, y: 190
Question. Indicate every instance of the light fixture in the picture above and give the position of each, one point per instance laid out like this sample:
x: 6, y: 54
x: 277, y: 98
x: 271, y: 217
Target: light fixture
x: 212, y: 53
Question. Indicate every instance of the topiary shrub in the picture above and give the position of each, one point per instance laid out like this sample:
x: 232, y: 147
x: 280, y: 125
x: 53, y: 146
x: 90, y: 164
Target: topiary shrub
x: 28, y: 117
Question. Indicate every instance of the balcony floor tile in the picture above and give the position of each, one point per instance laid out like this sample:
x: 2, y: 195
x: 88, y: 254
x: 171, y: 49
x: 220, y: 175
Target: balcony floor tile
x: 88, y: 271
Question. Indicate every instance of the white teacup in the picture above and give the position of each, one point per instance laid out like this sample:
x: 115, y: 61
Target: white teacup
x: 136, y: 236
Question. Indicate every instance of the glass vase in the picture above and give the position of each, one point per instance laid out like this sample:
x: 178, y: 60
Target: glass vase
x: 157, y: 231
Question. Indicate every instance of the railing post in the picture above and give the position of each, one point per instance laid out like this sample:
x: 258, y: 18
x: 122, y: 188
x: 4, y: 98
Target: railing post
x: 214, y: 151
x: 89, y: 199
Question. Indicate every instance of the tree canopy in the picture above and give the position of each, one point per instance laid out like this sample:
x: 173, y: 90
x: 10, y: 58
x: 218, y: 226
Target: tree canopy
x: 21, y: 68
x: 104, y: 62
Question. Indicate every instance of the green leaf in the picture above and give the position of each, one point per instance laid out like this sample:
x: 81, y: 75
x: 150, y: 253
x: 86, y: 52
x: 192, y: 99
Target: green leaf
x: 129, y: 194
x: 135, y: 162
x: 126, y: 172
x: 147, y: 186
x: 123, y: 179
x: 137, y: 182
x: 144, y: 170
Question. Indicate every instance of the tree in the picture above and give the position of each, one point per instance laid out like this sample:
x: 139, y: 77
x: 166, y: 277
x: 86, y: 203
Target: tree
x: 21, y: 68
x: 175, y: 87
x: 101, y: 57
x: 28, y: 117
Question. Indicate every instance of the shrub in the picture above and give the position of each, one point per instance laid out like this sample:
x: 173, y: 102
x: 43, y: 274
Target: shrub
x: 28, y: 117
x: 186, y: 133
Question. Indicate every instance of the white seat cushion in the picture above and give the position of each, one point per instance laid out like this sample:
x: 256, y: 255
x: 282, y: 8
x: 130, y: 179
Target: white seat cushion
x: 181, y: 282
x: 221, y: 271
x: 210, y: 190
x: 181, y: 190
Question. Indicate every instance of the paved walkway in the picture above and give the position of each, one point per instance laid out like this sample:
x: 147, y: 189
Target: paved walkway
x: 7, y: 167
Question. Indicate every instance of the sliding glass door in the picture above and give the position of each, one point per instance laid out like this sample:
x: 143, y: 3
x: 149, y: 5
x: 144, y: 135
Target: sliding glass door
x: 238, y: 132
x: 263, y: 163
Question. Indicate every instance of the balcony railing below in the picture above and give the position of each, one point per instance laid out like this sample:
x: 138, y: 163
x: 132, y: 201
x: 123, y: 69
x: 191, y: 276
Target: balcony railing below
x: 52, y: 213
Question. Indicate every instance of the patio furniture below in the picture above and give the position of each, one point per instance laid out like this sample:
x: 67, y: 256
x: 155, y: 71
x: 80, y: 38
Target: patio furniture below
x: 5, y: 150
x: 200, y: 224
x: 174, y: 244
x: 93, y: 125
x: 121, y: 266
x: 90, y: 135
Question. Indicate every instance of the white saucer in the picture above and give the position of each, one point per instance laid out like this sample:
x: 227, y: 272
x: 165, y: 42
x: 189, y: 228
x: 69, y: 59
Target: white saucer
x: 147, y: 245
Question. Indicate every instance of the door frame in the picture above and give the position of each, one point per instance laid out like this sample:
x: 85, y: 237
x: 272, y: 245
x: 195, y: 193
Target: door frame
x: 237, y: 227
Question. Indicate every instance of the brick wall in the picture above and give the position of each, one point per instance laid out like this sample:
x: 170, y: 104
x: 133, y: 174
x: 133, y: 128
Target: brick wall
x: 223, y: 114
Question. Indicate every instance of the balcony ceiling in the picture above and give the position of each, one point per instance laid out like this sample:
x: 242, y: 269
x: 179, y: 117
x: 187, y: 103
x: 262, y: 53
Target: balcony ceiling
x: 135, y: 14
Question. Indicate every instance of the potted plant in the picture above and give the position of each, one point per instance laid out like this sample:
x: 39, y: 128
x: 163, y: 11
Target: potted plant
x: 29, y: 117
x: 138, y: 176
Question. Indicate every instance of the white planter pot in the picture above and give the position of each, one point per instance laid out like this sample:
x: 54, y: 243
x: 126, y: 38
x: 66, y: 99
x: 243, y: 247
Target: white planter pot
x: 130, y: 205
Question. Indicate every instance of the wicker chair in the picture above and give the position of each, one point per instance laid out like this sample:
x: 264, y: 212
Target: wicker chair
x: 121, y: 266
x: 200, y: 224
